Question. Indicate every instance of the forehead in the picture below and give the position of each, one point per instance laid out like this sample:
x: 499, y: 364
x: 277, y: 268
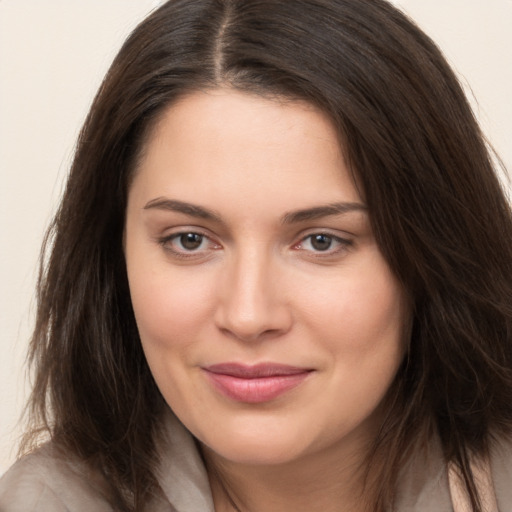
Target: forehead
x: 225, y: 145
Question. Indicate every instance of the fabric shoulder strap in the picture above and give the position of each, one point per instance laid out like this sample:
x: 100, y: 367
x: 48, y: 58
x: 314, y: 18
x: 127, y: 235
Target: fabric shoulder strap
x: 481, y: 470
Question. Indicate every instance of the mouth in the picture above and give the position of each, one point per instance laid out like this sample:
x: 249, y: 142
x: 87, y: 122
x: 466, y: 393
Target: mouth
x: 255, y: 384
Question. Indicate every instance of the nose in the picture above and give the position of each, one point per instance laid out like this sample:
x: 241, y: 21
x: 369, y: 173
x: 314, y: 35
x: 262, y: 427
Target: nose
x: 252, y: 301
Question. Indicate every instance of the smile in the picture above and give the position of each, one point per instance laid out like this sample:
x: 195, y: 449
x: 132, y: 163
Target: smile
x: 254, y: 384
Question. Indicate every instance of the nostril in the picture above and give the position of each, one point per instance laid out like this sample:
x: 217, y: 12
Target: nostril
x: 254, y: 325
x: 250, y: 306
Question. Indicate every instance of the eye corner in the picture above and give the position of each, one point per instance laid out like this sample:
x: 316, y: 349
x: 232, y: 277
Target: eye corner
x: 323, y: 244
x: 188, y: 244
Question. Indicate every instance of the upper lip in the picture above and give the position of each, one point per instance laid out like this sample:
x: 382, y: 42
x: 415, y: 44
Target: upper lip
x: 257, y: 371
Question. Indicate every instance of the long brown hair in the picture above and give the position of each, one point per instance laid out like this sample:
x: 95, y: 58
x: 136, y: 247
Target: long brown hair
x: 436, y: 206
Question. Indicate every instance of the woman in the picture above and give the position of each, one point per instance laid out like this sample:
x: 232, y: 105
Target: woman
x: 279, y: 278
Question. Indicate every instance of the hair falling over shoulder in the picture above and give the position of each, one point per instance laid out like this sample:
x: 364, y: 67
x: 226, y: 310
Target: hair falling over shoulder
x: 438, y: 211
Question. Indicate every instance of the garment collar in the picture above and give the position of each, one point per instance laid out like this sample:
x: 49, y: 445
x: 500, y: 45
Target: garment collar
x: 181, y: 472
x: 423, y: 482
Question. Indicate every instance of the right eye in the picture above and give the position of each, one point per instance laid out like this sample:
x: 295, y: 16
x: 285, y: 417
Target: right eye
x: 188, y: 241
x: 188, y: 244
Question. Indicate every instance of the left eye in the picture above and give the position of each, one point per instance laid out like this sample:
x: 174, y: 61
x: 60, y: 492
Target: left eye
x: 322, y: 242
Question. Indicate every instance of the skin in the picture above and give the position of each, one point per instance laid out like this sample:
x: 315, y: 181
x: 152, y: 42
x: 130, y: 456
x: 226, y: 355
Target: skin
x: 258, y: 289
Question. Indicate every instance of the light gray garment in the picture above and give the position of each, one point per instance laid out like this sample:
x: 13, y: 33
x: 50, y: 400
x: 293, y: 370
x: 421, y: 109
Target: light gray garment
x: 45, y: 482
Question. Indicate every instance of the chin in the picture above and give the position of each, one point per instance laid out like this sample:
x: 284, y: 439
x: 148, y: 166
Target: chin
x: 257, y: 454
x: 258, y: 445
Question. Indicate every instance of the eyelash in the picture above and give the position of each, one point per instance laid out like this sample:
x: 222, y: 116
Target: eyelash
x: 166, y: 242
x: 343, y: 244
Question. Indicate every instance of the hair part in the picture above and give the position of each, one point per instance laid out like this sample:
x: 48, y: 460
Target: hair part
x: 436, y: 206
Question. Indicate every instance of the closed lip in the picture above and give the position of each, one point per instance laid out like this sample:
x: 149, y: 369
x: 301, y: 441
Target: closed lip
x: 256, y: 371
x: 255, y: 383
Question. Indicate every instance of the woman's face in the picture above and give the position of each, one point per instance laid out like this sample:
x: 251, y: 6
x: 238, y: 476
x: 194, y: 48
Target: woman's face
x: 269, y: 318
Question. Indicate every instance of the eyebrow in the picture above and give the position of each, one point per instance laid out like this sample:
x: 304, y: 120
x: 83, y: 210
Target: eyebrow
x: 319, y: 212
x: 293, y: 217
x: 162, y: 203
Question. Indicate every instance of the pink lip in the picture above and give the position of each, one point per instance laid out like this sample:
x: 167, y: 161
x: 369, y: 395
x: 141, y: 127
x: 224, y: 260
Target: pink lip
x: 255, y: 384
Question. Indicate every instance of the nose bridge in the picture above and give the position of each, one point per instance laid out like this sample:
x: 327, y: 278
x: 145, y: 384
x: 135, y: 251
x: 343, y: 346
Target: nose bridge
x: 251, y: 304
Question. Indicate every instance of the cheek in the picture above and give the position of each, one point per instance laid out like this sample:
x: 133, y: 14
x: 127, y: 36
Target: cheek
x: 375, y: 309
x: 169, y: 306
x: 168, y: 311
x: 363, y: 332
x: 359, y: 313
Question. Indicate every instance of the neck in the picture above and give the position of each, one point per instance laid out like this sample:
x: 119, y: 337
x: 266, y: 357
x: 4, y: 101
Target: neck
x: 325, y: 482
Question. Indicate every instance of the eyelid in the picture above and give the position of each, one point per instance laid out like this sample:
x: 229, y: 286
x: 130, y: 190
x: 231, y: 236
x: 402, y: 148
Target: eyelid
x: 343, y: 243
x: 165, y: 240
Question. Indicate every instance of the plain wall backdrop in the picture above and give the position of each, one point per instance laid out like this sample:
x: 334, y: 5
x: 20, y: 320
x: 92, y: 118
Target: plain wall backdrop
x: 53, y: 55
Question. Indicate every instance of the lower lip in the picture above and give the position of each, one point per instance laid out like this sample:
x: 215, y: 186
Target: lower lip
x: 257, y: 390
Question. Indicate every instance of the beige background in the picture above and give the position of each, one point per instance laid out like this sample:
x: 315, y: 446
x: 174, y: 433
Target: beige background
x: 53, y: 54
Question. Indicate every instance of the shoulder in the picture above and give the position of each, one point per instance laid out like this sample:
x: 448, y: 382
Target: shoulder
x: 46, y: 481
x: 423, y: 481
x: 501, y: 468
